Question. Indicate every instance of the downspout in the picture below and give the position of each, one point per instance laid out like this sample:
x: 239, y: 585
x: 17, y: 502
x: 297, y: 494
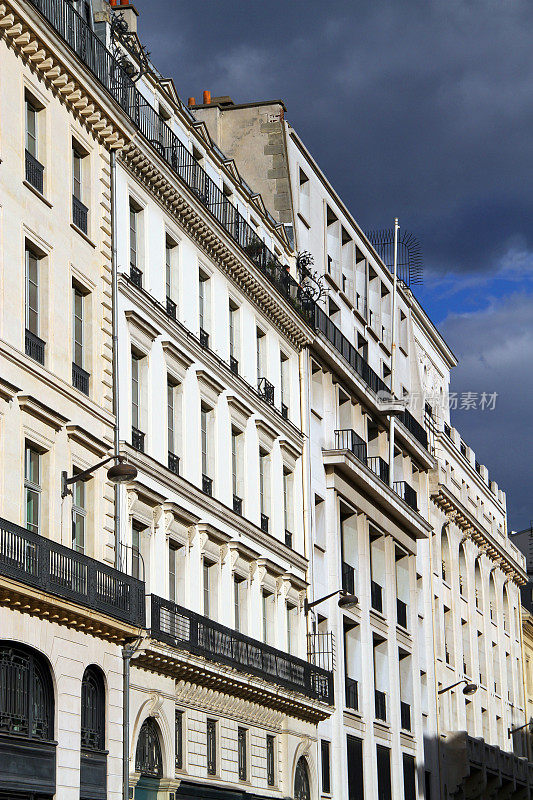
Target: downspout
x: 393, y: 355
x: 114, y: 320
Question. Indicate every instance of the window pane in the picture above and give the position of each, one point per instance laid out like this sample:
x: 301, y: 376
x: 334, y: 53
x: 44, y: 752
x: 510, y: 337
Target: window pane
x: 31, y: 130
x: 32, y: 510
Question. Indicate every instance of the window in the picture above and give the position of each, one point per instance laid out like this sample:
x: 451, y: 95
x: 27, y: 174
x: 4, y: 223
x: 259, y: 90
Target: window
x: 260, y: 354
x: 284, y: 385
x: 267, y: 602
x: 203, y: 309
x: 409, y: 777
x: 79, y: 210
x: 234, y: 336
x: 32, y: 488
x: 172, y: 571
x: 237, y: 446
x: 171, y: 416
x: 148, y: 757
x: 270, y: 753
x: 34, y: 170
x: 206, y: 423
x: 384, y: 775
x: 264, y: 489
x: 136, y: 275
x: 32, y: 292
x: 77, y: 327
x: 27, y: 696
x: 290, y: 638
x: 137, y: 435
x: 207, y: 588
x: 354, y: 749
x: 79, y: 516
x: 170, y: 276
x: 242, y: 735
x: 136, y: 529
x: 288, y: 511
x: 179, y: 739
x: 32, y: 129
x: 76, y: 173
x: 237, y: 604
x: 92, y: 710
x: 326, y: 766
x: 211, y: 747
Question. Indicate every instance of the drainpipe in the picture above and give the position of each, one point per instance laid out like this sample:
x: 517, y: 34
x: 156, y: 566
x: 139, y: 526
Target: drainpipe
x: 127, y: 651
x: 114, y: 318
x: 393, y: 354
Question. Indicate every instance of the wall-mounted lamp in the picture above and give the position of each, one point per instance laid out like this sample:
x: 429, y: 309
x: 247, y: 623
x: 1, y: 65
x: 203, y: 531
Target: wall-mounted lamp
x: 121, y: 472
x: 346, y: 600
x: 470, y: 688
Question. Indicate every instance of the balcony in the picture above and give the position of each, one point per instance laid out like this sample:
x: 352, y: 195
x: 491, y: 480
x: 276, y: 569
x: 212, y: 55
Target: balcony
x: 405, y: 716
x: 380, y: 468
x: 34, y: 172
x: 264, y: 523
x: 401, y: 613
x: 34, y: 347
x: 266, y: 391
x: 173, y: 463
x: 414, y: 427
x: 137, y: 439
x: 288, y: 539
x: 380, y: 699
x: 376, y: 596
x: 234, y: 365
x: 80, y: 379
x: 407, y: 493
x: 136, y: 276
x: 207, y: 485
x: 171, y: 308
x: 348, y: 578
x: 186, y: 630
x: 351, y: 694
x: 348, y: 439
x: 49, y: 567
x: 80, y: 215
x: 204, y: 338
x: 237, y: 505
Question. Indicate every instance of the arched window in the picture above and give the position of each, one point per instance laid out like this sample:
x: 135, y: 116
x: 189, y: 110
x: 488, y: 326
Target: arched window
x: 148, y: 760
x: 93, y: 710
x: 479, y: 586
x: 26, y: 694
x: 445, y: 556
x: 302, y: 789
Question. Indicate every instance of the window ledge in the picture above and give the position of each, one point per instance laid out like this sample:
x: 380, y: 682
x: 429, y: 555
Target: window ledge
x: 38, y: 194
x: 82, y: 234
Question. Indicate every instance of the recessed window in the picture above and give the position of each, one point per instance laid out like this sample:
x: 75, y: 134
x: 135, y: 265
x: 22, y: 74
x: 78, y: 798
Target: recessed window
x: 79, y: 516
x: 204, y: 310
x: 179, y: 739
x: 211, y: 747
x: 136, y: 274
x: 32, y: 488
x: 242, y: 737
x: 271, y: 759
x: 79, y: 208
x: 34, y: 170
x: 325, y: 766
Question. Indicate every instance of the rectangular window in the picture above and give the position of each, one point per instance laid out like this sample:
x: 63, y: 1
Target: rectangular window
x: 284, y: 385
x: 135, y: 391
x: 32, y: 292
x: 203, y: 307
x: 242, y: 735
x: 270, y: 748
x: 32, y: 488
x: 237, y: 447
x: 79, y: 516
x: 354, y: 748
x: 206, y: 589
x: 133, y: 236
x: 237, y: 604
x: 211, y: 747
x: 172, y: 559
x: 288, y: 501
x: 409, y: 777
x: 325, y: 766
x: 170, y: 282
x: 384, y: 776
x: 264, y: 501
x: 234, y: 335
x: 289, y: 617
x: 135, y: 550
x: 77, y: 174
x: 205, y: 426
x: 77, y: 327
x: 170, y: 416
x: 31, y: 129
x: 260, y: 354
x: 179, y: 739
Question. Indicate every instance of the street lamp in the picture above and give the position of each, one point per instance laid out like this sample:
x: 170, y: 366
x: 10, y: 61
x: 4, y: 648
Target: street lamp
x: 121, y: 472
x: 345, y: 600
x: 512, y: 731
x: 470, y: 688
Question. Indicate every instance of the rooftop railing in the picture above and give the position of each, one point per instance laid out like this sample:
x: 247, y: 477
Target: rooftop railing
x: 184, y: 629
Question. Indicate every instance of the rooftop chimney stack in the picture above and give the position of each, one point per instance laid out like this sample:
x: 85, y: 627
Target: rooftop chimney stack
x: 191, y: 101
x: 128, y: 11
x: 207, y: 97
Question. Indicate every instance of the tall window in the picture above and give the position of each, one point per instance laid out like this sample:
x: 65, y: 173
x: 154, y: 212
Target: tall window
x: 260, y: 353
x: 237, y: 442
x: 79, y: 516
x: 284, y: 386
x: 270, y: 754
x: 264, y: 490
x: 288, y: 502
x: 239, y: 608
x: 171, y: 415
x: 170, y: 275
x: 325, y: 764
x: 77, y: 173
x: 242, y: 735
x: 32, y: 292
x: 92, y: 710
x: 31, y: 129
x: 134, y: 224
x: 136, y: 550
x: 234, y: 336
x: 267, y: 602
x: 179, y: 739
x: 32, y: 488
x: 77, y: 326
x: 135, y: 391
x: 211, y: 747
x: 207, y: 588
x: 172, y: 571
x: 206, y: 418
x: 203, y: 308
x: 289, y: 616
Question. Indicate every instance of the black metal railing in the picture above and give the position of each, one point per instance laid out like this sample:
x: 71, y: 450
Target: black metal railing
x: 288, y: 538
x: 284, y: 411
x: 173, y: 463
x: 381, y: 705
x: 237, y: 504
x: 348, y: 578
x: 204, y: 338
x: 34, y: 560
x: 350, y: 440
x: 405, y: 716
x: 207, y: 485
x: 34, y: 172
x: 137, y: 439
x: 34, y: 347
x: 414, y: 427
x: 401, y: 613
x: 234, y: 365
x: 407, y: 493
x: 80, y: 378
x: 321, y: 649
x: 182, y: 628
x: 80, y: 214
x: 136, y: 276
x: 351, y: 693
x: 171, y: 308
x: 376, y: 596
x: 379, y: 467
x: 264, y: 523
x: 266, y: 390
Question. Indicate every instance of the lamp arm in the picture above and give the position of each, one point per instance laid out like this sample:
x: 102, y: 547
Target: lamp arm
x: 79, y: 476
x: 511, y: 731
x: 308, y: 605
x: 447, y: 689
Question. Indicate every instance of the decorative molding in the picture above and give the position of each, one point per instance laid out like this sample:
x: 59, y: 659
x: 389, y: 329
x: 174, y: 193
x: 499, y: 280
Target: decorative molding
x: 40, y: 411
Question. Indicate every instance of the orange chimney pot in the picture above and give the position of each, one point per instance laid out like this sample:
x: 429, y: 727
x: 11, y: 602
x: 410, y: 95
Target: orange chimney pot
x: 207, y: 97
x: 191, y: 101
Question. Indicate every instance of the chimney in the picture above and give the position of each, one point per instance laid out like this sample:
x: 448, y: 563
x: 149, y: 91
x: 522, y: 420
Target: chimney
x: 191, y: 101
x: 128, y: 11
x: 207, y: 97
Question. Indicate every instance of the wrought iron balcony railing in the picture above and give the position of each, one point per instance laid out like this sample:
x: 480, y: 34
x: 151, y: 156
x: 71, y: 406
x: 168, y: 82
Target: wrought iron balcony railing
x: 266, y: 390
x: 379, y: 467
x: 381, y: 705
x: 237, y: 504
x: 173, y: 463
x: 136, y: 276
x: 171, y: 308
x: 405, y: 716
x: 234, y: 365
x: 401, y: 613
x: 207, y: 485
x: 349, y: 440
x: 36, y: 561
x: 179, y: 627
x: 414, y: 427
x: 34, y: 347
x: 348, y: 578
x: 376, y: 596
x: 288, y: 538
x: 80, y: 379
x: 264, y: 523
x: 137, y: 439
x: 407, y: 493
x: 351, y: 691
x: 80, y: 215
x: 321, y: 649
x: 34, y: 172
